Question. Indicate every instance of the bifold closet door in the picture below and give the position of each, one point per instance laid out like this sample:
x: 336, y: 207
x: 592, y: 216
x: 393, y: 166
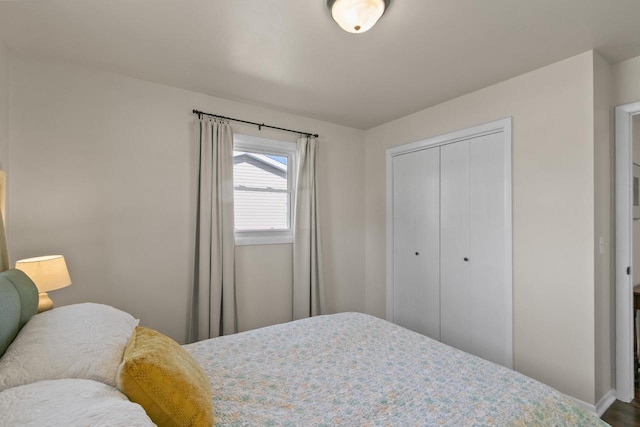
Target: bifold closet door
x: 416, y: 241
x: 455, y: 295
x: 474, y: 293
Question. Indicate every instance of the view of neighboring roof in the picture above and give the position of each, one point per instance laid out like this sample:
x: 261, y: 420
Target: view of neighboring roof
x: 273, y: 161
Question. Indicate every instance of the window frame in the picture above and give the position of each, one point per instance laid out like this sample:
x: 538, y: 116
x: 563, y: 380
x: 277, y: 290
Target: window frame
x: 258, y: 145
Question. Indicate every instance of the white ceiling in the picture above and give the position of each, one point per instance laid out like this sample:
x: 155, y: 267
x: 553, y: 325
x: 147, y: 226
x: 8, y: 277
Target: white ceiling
x: 289, y: 54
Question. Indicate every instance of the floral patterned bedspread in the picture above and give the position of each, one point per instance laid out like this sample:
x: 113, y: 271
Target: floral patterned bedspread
x: 352, y: 369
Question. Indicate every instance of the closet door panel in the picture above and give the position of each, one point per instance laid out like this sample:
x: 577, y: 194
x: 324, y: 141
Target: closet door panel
x: 454, y: 243
x: 490, y: 310
x: 416, y: 228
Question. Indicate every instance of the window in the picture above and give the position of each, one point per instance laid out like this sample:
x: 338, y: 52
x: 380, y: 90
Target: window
x: 264, y: 183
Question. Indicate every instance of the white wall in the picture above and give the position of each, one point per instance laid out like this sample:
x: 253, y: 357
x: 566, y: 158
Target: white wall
x: 103, y: 172
x: 264, y: 278
x: 626, y: 81
x: 553, y: 212
x: 604, y: 232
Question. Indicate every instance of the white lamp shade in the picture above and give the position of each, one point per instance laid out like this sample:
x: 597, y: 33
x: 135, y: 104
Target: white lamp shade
x: 357, y: 16
x: 47, y: 272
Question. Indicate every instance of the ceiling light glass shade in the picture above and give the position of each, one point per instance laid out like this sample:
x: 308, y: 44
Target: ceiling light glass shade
x: 357, y: 16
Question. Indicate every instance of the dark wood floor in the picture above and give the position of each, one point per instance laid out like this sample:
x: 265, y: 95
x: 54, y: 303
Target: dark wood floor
x: 624, y: 414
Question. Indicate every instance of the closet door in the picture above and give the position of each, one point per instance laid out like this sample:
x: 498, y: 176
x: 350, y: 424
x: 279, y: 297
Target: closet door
x: 416, y: 237
x: 490, y: 292
x: 454, y: 246
x: 475, y: 298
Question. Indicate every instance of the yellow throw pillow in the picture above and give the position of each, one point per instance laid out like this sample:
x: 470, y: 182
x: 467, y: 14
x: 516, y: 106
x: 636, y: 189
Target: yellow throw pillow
x: 164, y: 379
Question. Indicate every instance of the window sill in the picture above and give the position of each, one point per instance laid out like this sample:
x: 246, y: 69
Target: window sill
x: 263, y: 238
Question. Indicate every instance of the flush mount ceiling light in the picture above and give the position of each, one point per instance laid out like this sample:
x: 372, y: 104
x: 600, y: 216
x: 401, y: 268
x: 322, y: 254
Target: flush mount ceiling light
x: 357, y: 16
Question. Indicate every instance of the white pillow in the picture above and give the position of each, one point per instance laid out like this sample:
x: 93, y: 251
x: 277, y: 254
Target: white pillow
x: 69, y: 403
x: 76, y: 341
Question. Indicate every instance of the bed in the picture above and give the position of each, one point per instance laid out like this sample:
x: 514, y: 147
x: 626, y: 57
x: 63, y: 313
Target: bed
x: 344, y: 369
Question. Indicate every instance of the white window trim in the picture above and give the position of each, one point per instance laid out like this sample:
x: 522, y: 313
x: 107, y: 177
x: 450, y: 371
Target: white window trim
x: 259, y: 145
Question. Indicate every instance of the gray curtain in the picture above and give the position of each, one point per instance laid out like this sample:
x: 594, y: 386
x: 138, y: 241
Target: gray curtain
x: 308, y: 288
x: 4, y: 251
x: 213, y: 305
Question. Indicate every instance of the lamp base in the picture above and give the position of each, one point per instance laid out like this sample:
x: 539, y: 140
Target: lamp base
x: 44, y: 302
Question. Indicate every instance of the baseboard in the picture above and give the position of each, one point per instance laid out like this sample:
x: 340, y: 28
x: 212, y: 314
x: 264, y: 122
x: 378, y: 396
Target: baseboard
x: 602, y: 405
x: 606, y: 401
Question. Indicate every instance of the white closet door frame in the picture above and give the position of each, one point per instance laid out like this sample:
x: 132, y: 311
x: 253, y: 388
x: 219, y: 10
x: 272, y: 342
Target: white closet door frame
x: 624, y: 249
x: 502, y: 125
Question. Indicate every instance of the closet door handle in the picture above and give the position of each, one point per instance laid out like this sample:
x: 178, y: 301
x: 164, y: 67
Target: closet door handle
x: 466, y: 259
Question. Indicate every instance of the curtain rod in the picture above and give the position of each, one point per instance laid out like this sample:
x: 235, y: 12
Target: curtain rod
x: 260, y: 125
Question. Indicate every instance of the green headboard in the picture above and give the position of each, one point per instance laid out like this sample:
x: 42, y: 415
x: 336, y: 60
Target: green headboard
x: 18, y: 302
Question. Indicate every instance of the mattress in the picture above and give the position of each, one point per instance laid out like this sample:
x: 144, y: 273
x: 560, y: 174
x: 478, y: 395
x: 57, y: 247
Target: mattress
x: 357, y: 370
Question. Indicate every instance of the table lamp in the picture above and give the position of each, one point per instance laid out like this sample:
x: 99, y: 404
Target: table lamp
x: 48, y: 273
